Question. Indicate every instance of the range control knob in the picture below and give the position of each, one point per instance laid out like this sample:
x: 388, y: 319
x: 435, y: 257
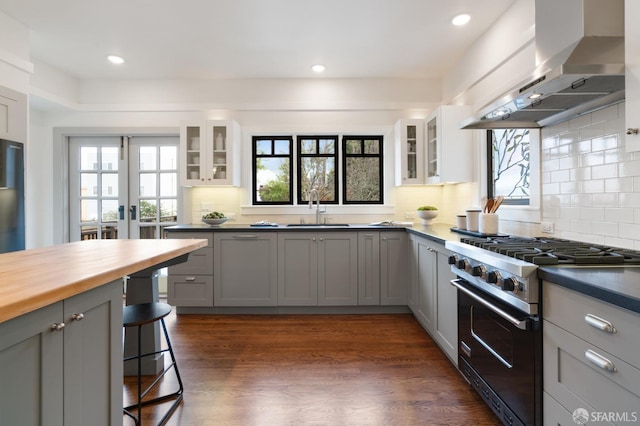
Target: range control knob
x: 463, y: 264
x: 493, y: 277
x: 479, y: 271
x: 453, y: 259
x: 509, y: 284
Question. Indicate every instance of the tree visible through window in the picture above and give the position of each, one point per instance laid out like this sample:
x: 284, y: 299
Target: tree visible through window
x: 362, y: 170
x: 317, y: 158
x: 272, y: 172
x: 509, y: 164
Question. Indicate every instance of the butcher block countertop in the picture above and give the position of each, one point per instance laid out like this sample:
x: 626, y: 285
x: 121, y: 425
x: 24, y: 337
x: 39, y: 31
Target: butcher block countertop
x: 32, y: 279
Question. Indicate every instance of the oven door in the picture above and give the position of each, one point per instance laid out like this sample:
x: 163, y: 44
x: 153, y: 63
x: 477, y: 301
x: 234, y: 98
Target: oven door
x: 503, y: 345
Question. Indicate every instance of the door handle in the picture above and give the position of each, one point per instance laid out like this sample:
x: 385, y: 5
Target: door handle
x: 121, y: 212
x: 132, y: 211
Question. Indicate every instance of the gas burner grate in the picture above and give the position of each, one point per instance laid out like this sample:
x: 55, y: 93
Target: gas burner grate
x: 555, y: 251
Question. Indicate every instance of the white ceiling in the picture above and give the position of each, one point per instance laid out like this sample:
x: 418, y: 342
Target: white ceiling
x: 204, y: 39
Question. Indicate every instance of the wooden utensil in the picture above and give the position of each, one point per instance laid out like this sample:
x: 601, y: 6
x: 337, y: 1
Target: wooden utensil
x: 488, y: 206
x: 497, y: 203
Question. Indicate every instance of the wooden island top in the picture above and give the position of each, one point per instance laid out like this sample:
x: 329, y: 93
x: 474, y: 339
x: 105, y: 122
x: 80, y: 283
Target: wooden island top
x: 32, y: 279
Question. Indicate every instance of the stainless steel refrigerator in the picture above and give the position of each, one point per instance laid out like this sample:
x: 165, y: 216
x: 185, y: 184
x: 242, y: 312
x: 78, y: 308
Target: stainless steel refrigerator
x: 11, y: 196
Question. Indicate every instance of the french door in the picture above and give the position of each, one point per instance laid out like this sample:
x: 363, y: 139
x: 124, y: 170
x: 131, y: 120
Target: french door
x: 122, y: 187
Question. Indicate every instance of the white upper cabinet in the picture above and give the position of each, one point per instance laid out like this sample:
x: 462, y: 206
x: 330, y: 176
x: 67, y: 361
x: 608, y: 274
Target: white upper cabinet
x: 449, y: 151
x: 210, y: 153
x: 409, y: 143
x: 632, y: 74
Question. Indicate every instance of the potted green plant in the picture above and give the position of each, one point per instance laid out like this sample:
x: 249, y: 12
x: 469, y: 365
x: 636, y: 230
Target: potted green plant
x: 427, y: 214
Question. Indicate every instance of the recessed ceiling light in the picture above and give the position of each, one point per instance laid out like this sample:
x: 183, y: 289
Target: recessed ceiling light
x: 114, y: 59
x: 535, y: 96
x: 318, y: 68
x: 461, y: 19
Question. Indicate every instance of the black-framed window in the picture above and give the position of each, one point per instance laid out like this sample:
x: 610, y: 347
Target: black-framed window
x: 362, y: 170
x: 317, y: 168
x: 508, y: 165
x: 272, y: 170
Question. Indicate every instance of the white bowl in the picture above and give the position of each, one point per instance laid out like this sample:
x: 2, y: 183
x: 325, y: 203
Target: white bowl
x: 215, y: 222
x: 427, y: 216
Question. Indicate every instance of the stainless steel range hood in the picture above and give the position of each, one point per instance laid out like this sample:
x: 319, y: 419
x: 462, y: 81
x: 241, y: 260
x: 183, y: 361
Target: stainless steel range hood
x: 587, y: 75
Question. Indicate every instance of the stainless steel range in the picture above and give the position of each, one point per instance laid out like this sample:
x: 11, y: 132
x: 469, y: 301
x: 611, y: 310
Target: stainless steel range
x: 499, y: 314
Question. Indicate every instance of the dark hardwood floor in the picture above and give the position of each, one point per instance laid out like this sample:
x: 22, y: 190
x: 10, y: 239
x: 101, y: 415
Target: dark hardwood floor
x: 314, y: 370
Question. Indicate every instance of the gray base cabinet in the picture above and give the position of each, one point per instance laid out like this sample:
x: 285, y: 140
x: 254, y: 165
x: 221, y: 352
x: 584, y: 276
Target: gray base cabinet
x: 431, y: 297
x: 317, y: 268
x: 586, y: 366
x: 393, y: 268
x: 191, y: 283
x: 245, y: 269
x: 73, y: 376
x: 369, y: 268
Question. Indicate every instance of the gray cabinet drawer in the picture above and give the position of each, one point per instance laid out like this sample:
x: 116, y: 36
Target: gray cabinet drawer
x: 190, y: 290
x: 576, y: 382
x: 568, y: 309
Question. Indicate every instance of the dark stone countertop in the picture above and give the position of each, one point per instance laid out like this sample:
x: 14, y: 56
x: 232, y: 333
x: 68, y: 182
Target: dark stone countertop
x: 619, y: 286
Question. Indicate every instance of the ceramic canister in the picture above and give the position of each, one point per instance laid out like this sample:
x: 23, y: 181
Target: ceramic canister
x: 472, y: 220
x: 461, y: 221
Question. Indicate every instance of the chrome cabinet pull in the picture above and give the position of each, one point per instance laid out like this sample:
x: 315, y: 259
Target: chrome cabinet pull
x: 600, y: 361
x: 246, y: 236
x: 190, y: 278
x: 77, y: 316
x: 57, y: 326
x: 600, y: 324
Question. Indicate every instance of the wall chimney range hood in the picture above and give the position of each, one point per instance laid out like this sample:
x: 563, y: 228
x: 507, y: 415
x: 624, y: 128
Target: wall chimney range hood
x: 586, y: 75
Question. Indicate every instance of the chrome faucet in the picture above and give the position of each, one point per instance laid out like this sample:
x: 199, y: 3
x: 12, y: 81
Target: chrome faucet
x: 315, y: 192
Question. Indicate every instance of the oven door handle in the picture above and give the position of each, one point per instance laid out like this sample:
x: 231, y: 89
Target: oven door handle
x: 521, y: 324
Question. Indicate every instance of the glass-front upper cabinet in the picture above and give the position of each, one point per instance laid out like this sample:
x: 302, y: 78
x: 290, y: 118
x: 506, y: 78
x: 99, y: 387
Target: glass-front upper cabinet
x: 210, y: 153
x: 409, y: 144
x: 449, y: 151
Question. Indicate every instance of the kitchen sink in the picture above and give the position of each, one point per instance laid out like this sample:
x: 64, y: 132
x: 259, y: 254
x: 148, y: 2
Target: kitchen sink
x: 315, y: 225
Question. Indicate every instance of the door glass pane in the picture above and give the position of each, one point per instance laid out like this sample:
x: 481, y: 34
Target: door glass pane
x: 88, y: 232
x: 89, y: 158
x: 110, y: 184
x: 168, y: 210
x: 168, y: 158
x: 147, y: 184
x: 88, y: 210
x: 109, y: 158
x: 168, y: 184
x: 109, y: 210
x: 148, y: 156
x: 110, y: 231
x: 88, y: 184
x: 148, y: 233
x: 148, y: 210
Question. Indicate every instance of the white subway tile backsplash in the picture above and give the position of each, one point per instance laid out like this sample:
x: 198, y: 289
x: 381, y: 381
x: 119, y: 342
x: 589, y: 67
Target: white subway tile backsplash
x: 591, y: 186
x: 580, y: 173
x: 620, y: 215
x: 629, y: 168
x: 620, y: 184
x: 560, y: 176
x: 604, y: 171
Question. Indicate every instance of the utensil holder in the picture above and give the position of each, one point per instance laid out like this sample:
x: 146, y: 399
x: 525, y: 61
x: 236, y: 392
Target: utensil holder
x: 488, y: 223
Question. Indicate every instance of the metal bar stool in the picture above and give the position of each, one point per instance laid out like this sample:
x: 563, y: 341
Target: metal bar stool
x: 137, y: 316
